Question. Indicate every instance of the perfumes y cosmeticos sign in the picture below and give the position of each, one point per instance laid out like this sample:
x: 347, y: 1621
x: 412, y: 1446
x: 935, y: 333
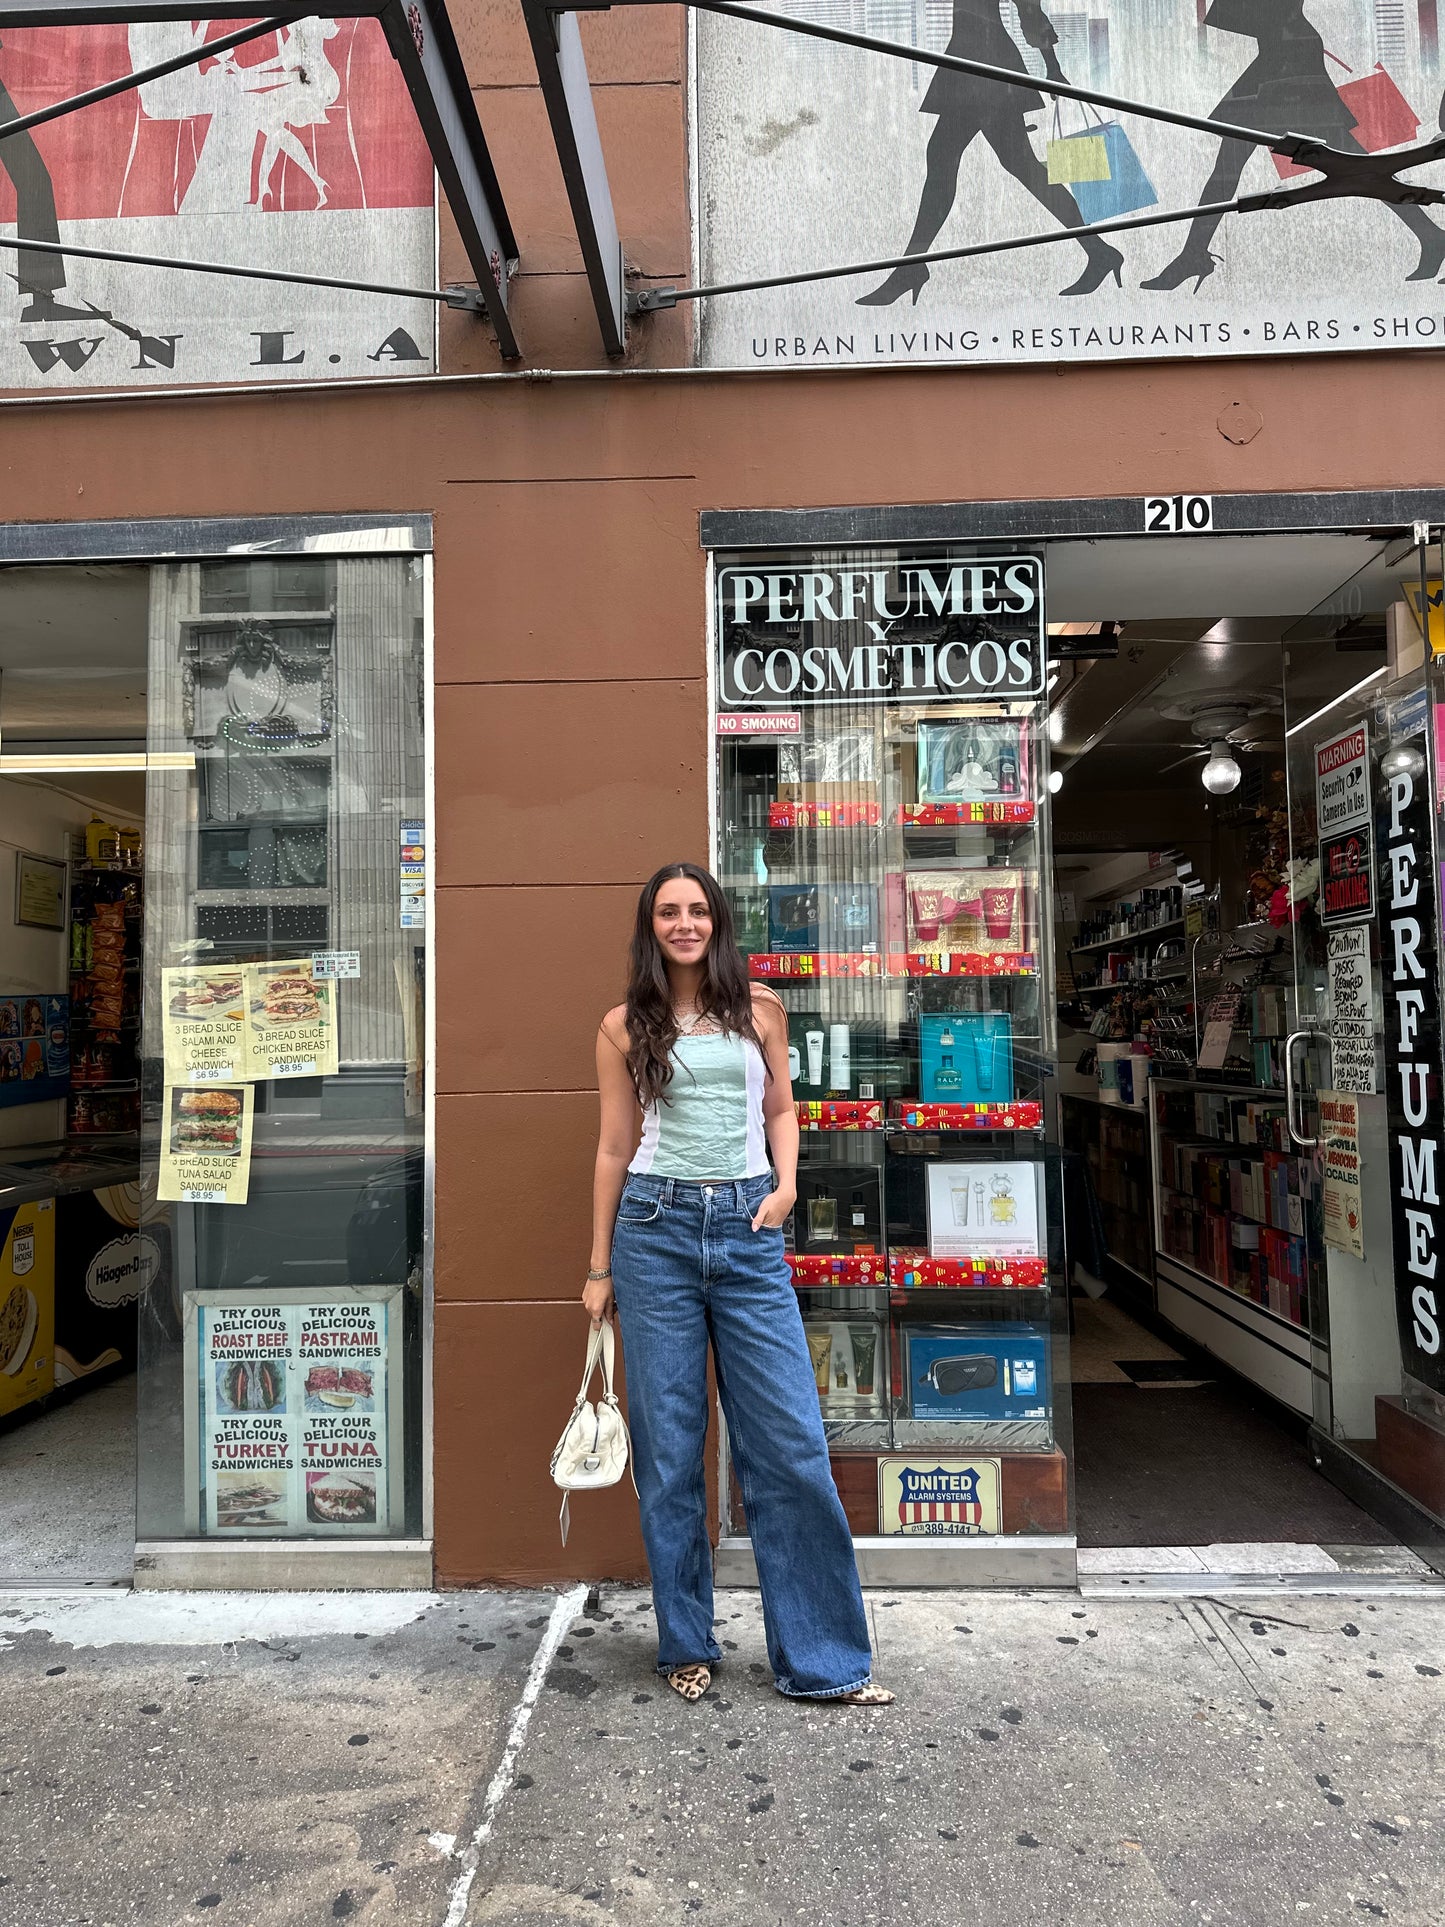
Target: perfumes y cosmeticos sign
x: 920, y: 628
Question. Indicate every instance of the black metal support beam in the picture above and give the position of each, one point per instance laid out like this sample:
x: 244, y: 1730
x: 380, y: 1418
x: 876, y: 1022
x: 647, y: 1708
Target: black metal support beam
x: 420, y: 36
x: 562, y: 71
x: 468, y: 299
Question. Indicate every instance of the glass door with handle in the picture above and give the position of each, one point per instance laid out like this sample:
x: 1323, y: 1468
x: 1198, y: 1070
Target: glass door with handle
x: 1363, y: 693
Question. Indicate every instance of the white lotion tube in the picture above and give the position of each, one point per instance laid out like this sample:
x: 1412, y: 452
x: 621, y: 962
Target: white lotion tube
x: 840, y: 1067
x: 814, y: 1041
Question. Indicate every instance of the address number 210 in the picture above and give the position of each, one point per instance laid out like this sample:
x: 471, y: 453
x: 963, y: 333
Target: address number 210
x: 1178, y: 514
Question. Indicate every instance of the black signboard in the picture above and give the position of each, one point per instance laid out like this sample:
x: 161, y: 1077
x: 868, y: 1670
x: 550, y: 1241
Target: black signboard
x: 1347, y: 876
x: 917, y: 629
x: 1409, y: 911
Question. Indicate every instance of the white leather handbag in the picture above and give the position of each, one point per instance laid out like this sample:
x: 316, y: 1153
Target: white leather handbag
x: 593, y: 1450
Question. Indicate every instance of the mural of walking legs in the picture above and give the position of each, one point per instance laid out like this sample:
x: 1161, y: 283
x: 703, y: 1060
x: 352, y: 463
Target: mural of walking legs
x: 39, y: 275
x: 1010, y: 142
x: 1286, y: 88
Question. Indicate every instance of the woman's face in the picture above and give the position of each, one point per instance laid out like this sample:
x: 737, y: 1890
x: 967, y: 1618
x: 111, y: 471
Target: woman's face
x: 681, y: 921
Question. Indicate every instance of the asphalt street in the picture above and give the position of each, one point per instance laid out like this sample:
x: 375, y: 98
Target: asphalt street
x: 513, y: 1759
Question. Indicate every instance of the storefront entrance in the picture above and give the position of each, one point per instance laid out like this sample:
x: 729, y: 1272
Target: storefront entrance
x: 1082, y: 1239
x: 213, y: 1090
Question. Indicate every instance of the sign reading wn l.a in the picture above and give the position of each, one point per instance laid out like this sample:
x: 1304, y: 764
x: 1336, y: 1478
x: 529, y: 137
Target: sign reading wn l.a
x: 918, y: 628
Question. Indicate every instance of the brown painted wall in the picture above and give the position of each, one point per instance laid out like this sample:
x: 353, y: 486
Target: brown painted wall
x: 571, y: 738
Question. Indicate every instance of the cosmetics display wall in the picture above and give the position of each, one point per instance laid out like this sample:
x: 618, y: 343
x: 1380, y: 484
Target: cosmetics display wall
x: 886, y: 862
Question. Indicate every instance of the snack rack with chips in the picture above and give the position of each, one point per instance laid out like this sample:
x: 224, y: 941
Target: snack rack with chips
x: 888, y: 865
x: 106, y: 911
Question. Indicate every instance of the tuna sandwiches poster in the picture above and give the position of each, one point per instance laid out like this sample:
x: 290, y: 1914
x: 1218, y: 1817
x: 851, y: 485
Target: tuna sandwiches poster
x: 812, y: 154
x: 299, y: 150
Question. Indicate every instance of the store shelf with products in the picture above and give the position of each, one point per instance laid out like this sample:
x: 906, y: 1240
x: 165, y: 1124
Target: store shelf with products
x: 1237, y: 1225
x: 1114, y: 1142
x: 888, y: 873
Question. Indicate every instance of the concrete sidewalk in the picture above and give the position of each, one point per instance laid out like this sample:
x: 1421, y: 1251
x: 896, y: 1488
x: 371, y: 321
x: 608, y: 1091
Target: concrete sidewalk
x: 509, y: 1758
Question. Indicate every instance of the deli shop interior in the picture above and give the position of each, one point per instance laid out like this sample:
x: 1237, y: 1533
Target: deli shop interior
x: 74, y: 1260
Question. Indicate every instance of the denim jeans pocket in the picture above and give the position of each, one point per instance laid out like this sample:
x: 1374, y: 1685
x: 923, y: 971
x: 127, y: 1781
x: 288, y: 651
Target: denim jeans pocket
x: 639, y: 1207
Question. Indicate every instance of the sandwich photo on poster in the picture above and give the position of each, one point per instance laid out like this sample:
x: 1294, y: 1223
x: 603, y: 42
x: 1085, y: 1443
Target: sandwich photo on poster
x: 206, y: 1144
x: 292, y: 1021
x: 983, y: 1210
x: 204, y: 1025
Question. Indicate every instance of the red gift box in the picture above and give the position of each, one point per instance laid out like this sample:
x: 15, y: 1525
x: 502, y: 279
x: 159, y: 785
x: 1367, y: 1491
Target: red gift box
x: 965, y: 963
x: 815, y: 963
x: 839, y: 1114
x: 968, y: 1117
x: 808, y: 1268
x: 953, y: 815
x: 917, y: 1271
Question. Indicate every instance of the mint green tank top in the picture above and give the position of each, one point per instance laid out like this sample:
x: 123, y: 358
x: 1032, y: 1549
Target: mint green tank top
x: 710, y: 1121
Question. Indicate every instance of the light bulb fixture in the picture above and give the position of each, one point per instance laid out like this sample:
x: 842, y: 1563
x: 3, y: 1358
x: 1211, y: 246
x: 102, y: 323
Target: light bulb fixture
x: 1056, y: 781
x: 1403, y: 760
x: 1221, y: 773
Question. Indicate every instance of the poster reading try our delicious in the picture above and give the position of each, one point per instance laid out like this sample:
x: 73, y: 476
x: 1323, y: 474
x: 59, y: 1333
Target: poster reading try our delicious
x: 813, y: 154
x: 293, y: 1410
x: 299, y: 150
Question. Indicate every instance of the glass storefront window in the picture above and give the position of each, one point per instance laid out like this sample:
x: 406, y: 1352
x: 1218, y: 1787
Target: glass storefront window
x: 282, y: 1072
x: 882, y: 836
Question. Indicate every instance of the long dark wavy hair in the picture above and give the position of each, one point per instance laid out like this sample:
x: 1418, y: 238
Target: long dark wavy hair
x: 723, y: 994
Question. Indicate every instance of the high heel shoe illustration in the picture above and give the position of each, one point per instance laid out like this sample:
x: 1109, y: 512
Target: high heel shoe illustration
x: 1432, y: 257
x: 903, y: 280
x: 1184, y: 267
x: 1103, y: 263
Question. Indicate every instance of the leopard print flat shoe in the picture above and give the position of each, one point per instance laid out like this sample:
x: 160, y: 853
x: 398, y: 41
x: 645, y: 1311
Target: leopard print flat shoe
x: 865, y: 1695
x: 690, y: 1682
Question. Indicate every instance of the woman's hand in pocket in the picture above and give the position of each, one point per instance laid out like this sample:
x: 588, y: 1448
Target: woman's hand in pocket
x: 773, y: 1212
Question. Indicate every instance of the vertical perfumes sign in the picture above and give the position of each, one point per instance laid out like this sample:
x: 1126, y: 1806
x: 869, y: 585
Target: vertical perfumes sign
x: 1412, y: 1061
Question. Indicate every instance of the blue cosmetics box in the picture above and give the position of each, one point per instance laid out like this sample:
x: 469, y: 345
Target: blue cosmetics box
x: 979, y: 1372
x: 966, y: 1057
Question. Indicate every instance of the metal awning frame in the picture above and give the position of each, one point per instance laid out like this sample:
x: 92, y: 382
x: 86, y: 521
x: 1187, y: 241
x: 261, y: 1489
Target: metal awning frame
x: 1343, y: 174
x: 423, y: 44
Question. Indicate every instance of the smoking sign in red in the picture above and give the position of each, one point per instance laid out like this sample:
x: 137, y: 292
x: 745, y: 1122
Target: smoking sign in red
x: 1347, y: 877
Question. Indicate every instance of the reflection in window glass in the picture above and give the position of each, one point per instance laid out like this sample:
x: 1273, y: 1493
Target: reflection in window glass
x: 282, y: 1050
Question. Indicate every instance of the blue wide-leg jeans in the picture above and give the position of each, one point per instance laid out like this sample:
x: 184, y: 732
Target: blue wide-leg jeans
x: 687, y: 1267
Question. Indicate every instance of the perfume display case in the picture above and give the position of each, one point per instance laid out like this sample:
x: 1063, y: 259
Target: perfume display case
x: 881, y: 811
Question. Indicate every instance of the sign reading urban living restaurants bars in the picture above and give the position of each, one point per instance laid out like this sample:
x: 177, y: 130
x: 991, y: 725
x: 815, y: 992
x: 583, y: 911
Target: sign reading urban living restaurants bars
x: 814, y: 155
x: 916, y: 628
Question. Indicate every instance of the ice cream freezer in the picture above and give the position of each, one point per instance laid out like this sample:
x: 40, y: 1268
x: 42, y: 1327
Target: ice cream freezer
x: 102, y: 1262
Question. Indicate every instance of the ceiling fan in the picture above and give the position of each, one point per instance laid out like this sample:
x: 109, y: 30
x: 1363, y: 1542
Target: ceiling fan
x: 1216, y: 723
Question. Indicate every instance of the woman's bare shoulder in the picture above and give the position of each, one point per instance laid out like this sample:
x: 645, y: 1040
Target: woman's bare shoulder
x: 614, y: 1026
x: 767, y: 1004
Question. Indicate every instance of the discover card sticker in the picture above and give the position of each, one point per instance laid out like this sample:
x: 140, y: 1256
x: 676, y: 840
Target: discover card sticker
x: 206, y: 1144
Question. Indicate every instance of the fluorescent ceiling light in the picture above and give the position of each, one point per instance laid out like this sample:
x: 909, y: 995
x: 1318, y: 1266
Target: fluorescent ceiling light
x: 1343, y: 697
x: 58, y: 762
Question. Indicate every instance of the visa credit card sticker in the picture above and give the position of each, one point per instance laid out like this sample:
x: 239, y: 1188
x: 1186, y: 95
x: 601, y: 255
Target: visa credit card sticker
x: 940, y: 1497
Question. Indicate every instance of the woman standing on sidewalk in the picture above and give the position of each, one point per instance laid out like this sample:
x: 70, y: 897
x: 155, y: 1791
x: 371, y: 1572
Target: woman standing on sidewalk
x: 687, y: 1230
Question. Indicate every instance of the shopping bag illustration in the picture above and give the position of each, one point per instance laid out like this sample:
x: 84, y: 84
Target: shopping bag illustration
x: 1383, y: 116
x: 1078, y: 157
x: 1127, y: 188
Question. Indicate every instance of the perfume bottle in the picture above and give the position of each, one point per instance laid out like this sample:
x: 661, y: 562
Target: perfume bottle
x: 947, y: 1079
x: 1008, y: 772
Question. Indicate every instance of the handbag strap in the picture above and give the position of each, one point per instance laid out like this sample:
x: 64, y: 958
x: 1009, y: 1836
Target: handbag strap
x: 600, y: 1346
x: 1088, y: 108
